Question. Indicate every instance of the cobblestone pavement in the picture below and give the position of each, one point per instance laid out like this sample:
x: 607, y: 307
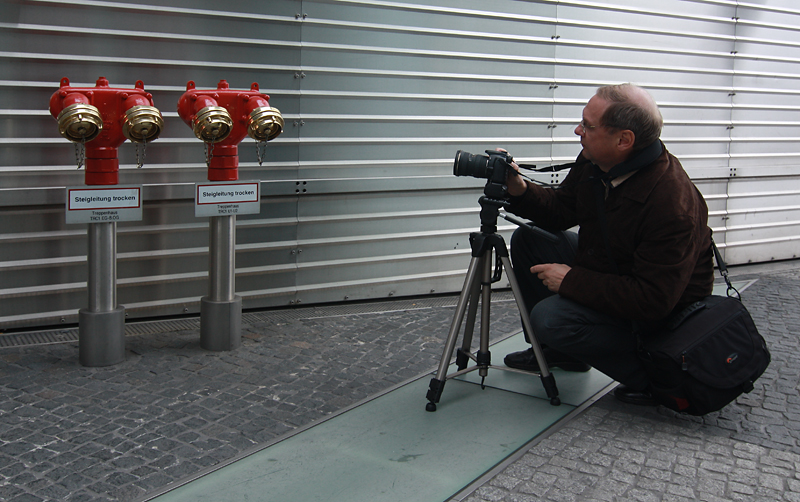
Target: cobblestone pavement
x: 749, y: 450
x: 172, y: 409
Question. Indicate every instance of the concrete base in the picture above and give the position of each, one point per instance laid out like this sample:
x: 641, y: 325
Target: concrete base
x: 101, y: 337
x: 220, y: 324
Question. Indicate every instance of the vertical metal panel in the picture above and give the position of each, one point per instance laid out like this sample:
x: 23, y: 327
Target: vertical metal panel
x: 725, y: 75
x: 435, y: 78
x: 162, y: 260
x: 683, y: 59
x: 763, y: 222
x: 389, y: 93
x: 359, y: 200
x: 765, y: 121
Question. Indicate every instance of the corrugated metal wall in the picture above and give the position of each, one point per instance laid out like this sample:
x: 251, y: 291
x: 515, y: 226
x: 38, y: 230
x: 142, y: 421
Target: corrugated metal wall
x: 359, y: 200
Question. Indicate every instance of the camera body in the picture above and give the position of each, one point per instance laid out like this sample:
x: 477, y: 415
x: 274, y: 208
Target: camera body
x: 493, y: 167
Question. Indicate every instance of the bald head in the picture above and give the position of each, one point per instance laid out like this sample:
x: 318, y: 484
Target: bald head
x: 632, y: 108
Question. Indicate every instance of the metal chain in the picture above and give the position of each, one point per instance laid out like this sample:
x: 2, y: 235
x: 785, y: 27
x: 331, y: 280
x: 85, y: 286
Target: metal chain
x: 80, y: 152
x: 261, y: 151
x: 140, y: 160
x: 210, y: 149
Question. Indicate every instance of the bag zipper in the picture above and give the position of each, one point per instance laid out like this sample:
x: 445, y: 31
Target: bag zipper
x: 703, y: 339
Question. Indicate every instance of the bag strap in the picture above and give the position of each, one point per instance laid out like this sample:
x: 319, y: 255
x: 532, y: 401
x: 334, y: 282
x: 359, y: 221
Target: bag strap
x: 723, y: 271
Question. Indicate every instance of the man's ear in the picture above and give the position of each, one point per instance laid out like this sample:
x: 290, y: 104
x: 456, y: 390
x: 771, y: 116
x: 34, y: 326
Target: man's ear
x: 626, y: 140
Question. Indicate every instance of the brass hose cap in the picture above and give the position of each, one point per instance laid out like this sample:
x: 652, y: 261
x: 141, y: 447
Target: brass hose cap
x: 265, y: 124
x: 80, y: 122
x: 212, y: 124
x: 142, y: 123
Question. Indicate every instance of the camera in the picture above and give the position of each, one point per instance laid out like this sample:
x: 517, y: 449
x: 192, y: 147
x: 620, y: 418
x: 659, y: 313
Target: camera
x: 493, y: 168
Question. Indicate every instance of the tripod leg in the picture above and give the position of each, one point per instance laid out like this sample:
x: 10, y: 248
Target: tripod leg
x: 484, y: 357
x: 437, y: 382
x: 462, y: 357
x: 548, y: 381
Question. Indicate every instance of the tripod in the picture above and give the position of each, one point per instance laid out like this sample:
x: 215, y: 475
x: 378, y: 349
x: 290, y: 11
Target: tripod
x: 482, y: 244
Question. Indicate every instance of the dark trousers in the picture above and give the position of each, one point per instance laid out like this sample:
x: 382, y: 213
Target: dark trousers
x: 607, y: 343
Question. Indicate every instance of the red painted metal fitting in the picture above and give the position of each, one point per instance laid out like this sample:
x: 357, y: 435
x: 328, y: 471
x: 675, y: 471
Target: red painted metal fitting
x: 222, y: 118
x: 102, y: 118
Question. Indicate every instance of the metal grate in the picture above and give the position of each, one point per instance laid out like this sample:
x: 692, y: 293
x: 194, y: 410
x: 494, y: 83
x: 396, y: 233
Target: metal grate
x: 67, y: 335
x: 39, y: 338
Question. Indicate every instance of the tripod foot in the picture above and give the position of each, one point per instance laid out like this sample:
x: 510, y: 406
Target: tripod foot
x: 549, y: 383
x: 434, y: 393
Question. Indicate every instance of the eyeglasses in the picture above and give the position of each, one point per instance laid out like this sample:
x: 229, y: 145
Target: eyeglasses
x: 585, y: 127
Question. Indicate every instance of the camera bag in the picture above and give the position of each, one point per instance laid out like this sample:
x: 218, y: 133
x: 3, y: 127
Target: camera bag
x: 703, y: 357
x: 706, y: 355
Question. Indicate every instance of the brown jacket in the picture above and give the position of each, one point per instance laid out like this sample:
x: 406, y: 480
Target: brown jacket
x: 658, y: 233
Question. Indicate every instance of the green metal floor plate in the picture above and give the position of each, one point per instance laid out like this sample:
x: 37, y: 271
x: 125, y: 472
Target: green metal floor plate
x: 390, y: 449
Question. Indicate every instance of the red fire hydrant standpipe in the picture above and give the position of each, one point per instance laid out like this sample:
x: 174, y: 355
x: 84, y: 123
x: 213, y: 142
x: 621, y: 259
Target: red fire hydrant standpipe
x: 99, y: 119
x: 221, y: 118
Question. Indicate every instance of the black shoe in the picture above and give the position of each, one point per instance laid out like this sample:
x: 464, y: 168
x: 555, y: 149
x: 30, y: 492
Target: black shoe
x: 526, y: 360
x: 638, y: 397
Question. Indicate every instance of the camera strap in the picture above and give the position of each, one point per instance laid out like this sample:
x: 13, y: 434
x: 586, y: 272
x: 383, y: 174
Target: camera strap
x: 549, y: 169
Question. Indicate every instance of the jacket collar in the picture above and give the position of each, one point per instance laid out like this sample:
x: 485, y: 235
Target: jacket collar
x: 643, y: 158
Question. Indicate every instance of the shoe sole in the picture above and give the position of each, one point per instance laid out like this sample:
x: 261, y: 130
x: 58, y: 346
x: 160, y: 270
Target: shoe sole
x: 574, y: 367
x: 636, y: 402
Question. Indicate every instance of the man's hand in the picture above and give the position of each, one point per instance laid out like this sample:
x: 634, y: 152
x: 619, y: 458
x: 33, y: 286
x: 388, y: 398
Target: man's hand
x: 551, y: 274
x: 515, y: 184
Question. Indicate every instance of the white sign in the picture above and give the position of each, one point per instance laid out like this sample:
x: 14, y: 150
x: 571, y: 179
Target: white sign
x: 104, y: 204
x: 225, y: 199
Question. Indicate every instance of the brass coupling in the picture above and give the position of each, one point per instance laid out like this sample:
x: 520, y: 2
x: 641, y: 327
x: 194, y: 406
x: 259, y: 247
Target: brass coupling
x: 212, y: 124
x: 265, y: 123
x: 80, y: 122
x: 142, y: 124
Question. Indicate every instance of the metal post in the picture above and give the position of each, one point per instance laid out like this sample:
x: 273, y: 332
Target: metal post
x: 101, y: 331
x: 221, y: 310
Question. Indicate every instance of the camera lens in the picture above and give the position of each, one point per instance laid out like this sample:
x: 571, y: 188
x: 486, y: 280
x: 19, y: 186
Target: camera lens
x: 467, y: 164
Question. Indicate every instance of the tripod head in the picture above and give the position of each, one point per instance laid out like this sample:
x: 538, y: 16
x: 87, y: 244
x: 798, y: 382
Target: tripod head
x: 490, y: 210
